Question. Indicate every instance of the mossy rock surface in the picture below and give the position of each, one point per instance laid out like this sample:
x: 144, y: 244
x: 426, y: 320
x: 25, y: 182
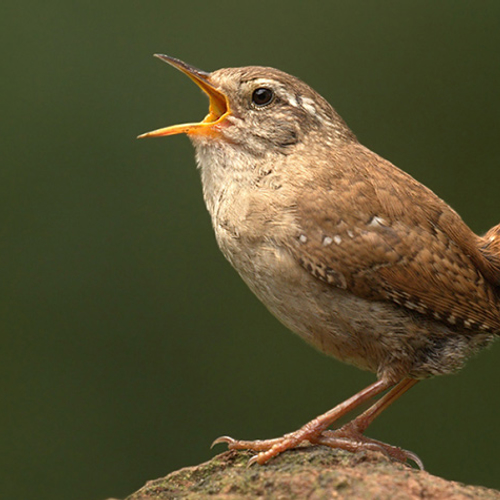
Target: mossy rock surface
x: 313, y: 473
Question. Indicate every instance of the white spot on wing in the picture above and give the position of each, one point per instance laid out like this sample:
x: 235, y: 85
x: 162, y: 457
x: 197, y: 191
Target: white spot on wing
x: 378, y: 221
x: 309, y: 106
x: 293, y: 101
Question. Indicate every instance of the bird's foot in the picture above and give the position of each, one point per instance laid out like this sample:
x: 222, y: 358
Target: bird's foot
x: 350, y: 439
x: 270, y: 448
x: 346, y: 438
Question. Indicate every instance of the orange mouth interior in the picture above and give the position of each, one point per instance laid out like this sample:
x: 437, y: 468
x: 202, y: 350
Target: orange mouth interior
x: 218, y: 107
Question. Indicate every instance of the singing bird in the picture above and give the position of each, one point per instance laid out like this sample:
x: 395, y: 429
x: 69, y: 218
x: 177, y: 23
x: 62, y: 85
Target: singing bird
x: 349, y: 252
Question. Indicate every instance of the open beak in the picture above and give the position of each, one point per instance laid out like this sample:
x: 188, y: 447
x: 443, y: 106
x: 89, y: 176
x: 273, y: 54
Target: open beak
x: 217, y: 111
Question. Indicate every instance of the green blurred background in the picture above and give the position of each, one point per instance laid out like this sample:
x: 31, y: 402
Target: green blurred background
x: 127, y: 342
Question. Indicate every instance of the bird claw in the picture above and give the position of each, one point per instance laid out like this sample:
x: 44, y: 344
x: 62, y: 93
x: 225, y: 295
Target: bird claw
x: 253, y: 460
x: 414, y: 458
x: 233, y: 444
x: 223, y: 439
x: 345, y: 438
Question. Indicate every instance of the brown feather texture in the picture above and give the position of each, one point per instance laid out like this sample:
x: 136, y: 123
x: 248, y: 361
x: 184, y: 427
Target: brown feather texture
x: 349, y: 252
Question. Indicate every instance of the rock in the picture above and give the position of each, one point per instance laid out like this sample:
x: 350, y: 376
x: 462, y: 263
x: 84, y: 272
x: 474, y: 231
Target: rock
x: 309, y: 472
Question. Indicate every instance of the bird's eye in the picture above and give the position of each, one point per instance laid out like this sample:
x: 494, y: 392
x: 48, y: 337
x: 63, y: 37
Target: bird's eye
x: 262, y: 96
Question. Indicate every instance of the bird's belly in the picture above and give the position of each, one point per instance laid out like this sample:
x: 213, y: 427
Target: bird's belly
x: 335, y: 322
x: 373, y: 335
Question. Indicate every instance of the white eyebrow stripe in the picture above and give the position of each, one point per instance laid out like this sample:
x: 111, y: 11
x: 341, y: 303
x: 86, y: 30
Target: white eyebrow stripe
x: 265, y: 81
x: 284, y: 93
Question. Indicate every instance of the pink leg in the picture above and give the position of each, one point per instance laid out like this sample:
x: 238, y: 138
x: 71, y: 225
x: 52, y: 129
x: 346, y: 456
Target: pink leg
x: 350, y: 436
x: 309, y: 432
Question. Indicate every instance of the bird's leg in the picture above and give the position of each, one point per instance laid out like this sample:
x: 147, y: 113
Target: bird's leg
x: 350, y: 436
x: 309, y: 432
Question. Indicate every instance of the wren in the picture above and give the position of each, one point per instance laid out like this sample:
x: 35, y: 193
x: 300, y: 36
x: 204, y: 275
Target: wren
x: 349, y: 252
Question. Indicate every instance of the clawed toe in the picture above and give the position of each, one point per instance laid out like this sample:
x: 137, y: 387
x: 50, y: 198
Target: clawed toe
x: 349, y: 437
x: 223, y: 439
x: 233, y: 444
x: 354, y: 442
x: 266, y: 449
x: 414, y: 458
x: 342, y: 439
x: 257, y: 445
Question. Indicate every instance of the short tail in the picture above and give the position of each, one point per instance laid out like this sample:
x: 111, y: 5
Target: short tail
x: 489, y: 245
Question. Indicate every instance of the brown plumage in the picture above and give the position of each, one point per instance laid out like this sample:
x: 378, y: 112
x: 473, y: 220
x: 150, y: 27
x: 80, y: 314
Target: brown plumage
x: 398, y: 242
x: 348, y: 251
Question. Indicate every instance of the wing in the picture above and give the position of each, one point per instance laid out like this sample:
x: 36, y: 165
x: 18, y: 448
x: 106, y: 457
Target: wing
x: 381, y: 235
